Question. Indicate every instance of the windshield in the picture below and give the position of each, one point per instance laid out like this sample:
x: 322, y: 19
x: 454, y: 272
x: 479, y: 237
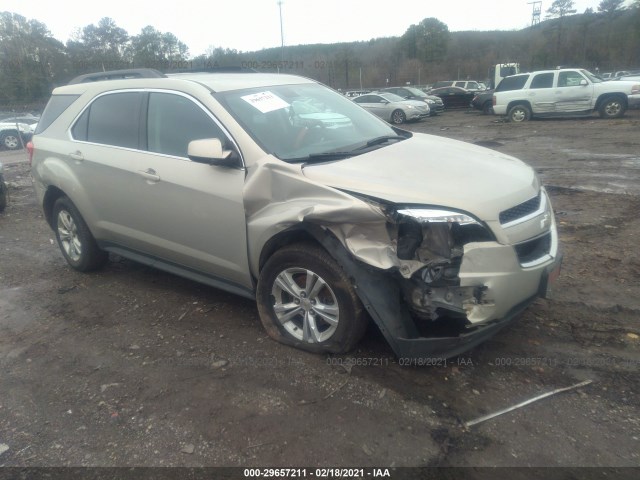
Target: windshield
x: 416, y: 92
x: 392, y: 97
x: 591, y: 76
x: 296, y: 122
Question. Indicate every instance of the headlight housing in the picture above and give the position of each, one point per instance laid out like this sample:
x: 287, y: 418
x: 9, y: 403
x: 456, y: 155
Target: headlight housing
x: 432, y: 215
x: 436, y: 235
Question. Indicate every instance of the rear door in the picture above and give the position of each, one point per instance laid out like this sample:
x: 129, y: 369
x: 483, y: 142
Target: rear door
x: 542, y: 96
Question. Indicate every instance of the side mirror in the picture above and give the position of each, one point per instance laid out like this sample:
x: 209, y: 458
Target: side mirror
x: 209, y: 151
x: 384, y: 102
x: 583, y: 82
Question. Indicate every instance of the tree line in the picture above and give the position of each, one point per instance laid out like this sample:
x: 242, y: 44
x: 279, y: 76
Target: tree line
x: 32, y: 62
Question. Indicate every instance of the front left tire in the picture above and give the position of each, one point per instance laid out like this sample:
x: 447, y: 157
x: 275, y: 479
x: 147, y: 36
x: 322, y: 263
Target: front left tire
x: 306, y: 300
x: 612, y: 107
x: 75, y: 240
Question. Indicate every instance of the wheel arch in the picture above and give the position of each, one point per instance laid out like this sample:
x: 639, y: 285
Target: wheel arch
x: 295, y: 234
x: 606, y: 96
x: 50, y: 197
x: 513, y: 103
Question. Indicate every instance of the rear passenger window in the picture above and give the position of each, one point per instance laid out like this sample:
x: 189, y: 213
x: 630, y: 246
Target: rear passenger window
x: 542, y: 80
x: 173, y: 121
x: 111, y: 120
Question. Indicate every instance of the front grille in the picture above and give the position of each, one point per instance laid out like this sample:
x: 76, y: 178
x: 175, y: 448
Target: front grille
x: 522, y: 210
x: 534, y: 249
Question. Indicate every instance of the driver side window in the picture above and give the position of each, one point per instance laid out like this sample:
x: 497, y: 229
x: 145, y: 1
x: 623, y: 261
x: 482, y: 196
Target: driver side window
x: 174, y: 120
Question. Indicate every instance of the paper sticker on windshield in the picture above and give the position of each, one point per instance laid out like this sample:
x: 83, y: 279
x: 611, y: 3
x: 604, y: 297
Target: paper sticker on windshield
x: 265, y: 101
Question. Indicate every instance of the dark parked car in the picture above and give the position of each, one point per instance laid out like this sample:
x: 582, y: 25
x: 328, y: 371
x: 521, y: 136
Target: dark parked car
x: 483, y: 101
x: 411, y: 93
x: 454, y: 97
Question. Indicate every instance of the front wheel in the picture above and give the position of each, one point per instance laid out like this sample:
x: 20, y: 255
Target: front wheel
x: 487, y: 108
x: 74, y: 238
x: 519, y: 113
x: 306, y: 300
x: 398, y: 117
x: 612, y: 108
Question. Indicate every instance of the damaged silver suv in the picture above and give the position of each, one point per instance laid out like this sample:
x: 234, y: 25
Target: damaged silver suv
x: 279, y: 189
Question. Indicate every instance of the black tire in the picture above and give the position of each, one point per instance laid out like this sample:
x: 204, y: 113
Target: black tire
x: 398, y: 117
x: 612, y: 107
x: 11, y: 141
x: 487, y: 108
x: 74, y: 238
x: 519, y: 113
x: 293, y: 316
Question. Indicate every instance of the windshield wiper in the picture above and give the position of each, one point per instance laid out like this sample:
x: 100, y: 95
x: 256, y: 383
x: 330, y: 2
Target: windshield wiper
x: 379, y: 140
x: 323, y: 157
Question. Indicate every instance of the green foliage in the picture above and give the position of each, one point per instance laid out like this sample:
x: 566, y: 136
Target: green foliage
x: 29, y: 57
x: 426, y: 41
x: 610, y: 6
x: 561, y: 8
x: 32, y: 62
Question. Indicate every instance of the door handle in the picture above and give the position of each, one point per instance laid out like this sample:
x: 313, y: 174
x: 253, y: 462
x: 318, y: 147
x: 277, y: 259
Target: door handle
x: 77, y: 155
x: 149, y: 174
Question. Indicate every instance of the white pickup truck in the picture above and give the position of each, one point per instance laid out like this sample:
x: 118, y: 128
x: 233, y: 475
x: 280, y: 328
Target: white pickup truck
x: 563, y: 93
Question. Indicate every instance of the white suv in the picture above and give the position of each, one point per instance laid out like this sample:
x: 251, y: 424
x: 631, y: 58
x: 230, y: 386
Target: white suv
x: 280, y: 189
x: 562, y: 93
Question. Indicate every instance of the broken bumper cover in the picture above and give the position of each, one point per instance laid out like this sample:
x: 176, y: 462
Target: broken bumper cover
x: 445, y: 347
x: 510, y: 291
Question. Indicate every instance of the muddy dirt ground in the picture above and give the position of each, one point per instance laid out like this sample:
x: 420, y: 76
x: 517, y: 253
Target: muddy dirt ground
x: 134, y: 367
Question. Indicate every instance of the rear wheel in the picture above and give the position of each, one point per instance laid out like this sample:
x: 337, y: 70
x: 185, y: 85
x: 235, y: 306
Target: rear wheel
x: 10, y: 141
x: 519, y: 113
x: 398, y: 117
x: 74, y: 238
x: 612, y: 107
x: 306, y: 300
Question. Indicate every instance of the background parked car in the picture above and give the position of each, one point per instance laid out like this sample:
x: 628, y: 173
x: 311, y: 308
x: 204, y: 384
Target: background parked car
x: 470, y: 85
x: 454, y: 97
x: 14, y: 135
x: 412, y: 93
x: 393, y: 108
x: 483, y: 101
x: 563, y: 93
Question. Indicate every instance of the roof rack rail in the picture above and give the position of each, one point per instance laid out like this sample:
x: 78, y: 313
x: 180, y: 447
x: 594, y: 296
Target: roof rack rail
x: 117, y: 75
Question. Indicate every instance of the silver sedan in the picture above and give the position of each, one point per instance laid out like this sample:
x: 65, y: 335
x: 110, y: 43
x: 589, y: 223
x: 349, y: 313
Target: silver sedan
x: 393, y: 108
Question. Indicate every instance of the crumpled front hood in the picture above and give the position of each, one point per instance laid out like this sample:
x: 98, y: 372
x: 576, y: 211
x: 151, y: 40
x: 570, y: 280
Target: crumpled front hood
x: 432, y: 170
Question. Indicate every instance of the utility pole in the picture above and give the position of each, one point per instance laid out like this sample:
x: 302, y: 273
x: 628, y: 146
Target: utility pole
x: 535, y: 15
x: 281, y: 32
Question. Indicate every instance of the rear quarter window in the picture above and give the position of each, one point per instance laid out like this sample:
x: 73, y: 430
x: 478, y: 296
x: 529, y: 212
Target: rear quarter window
x: 515, y: 82
x: 56, y: 105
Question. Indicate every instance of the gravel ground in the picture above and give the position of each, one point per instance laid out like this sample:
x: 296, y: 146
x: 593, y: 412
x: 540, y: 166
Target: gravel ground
x: 134, y: 367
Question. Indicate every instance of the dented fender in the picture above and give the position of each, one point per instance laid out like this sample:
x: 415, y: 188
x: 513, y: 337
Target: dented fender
x: 278, y: 196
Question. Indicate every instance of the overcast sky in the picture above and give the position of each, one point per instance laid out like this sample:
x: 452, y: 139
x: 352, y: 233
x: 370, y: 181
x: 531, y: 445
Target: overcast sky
x: 249, y: 25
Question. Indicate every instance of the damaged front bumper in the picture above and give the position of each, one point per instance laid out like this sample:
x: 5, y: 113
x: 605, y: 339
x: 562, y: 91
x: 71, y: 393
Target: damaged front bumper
x: 495, y: 285
x: 540, y: 281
